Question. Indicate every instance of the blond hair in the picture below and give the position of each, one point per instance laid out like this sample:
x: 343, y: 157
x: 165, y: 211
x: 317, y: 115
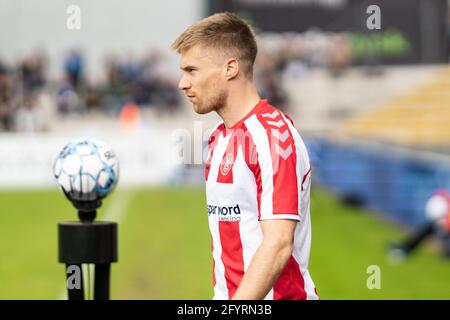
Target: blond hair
x: 225, y: 32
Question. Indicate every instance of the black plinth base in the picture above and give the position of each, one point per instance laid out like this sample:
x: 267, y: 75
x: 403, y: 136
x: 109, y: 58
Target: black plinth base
x: 81, y: 243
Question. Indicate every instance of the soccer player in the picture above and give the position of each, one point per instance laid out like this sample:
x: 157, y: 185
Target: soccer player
x: 257, y: 173
x: 437, y: 212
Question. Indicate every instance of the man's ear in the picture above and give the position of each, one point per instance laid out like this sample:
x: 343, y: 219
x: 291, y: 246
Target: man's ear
x: 232, y: 68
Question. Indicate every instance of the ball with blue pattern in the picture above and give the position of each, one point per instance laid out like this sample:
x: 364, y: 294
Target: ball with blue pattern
x: 86, y: 169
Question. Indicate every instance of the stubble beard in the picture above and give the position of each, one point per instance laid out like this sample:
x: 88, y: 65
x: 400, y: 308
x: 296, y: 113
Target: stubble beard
x: 212, y: 103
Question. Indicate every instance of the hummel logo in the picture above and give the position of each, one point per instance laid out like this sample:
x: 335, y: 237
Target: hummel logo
x: 280, y: 136
x: 284, y: 153
x: 278, y: 124
x: 272, y: 115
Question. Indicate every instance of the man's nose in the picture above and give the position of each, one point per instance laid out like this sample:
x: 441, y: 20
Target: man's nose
x: 184, y: 83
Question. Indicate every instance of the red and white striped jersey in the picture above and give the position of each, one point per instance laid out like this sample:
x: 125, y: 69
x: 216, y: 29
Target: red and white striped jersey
x: 258, y: 169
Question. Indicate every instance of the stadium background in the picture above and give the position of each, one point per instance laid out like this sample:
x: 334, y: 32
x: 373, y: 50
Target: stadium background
x: 372, y: 105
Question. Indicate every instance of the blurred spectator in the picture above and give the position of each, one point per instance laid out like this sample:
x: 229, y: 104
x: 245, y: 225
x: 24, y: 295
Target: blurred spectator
x: 73, y: 66
x: 27, y: 117
x: 32, y: 71
x: 267, y: 79
x: 148, y: 81
x: 437, y: 211
x: 93, y: 98
x: 47, y: 109
x: 269, y: 87
x: 6, y: 107
x: 339, y: 55
x: 67, y: 98
x: 129, y: 117
x: 151, y: 80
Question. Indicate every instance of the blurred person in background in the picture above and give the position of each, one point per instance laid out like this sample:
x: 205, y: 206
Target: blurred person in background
x: 6, y: 106
x: 32, y: 71
x: 437, y: 212
x: 28, y: 118
x: 257, y: 173
x: 148, y: 82
x: 267, y: 80
x: 74, y: 67
x: 339, y: 58
x: 67, y: 98
x: 116, y: 92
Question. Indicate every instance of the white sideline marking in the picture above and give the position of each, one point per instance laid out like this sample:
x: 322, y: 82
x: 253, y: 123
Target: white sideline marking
x: 116, y: 212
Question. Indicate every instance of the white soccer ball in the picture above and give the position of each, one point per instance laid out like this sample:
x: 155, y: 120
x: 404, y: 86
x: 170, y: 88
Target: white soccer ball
x: 86, y: 169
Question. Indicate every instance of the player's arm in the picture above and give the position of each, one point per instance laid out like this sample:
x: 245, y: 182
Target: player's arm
x: 268, y: 261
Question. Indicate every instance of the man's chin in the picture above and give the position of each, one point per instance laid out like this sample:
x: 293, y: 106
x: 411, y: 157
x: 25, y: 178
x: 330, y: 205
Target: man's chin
x: 200, y: 110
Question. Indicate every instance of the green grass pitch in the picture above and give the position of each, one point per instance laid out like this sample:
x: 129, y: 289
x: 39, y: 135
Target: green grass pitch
x: 164, y: 248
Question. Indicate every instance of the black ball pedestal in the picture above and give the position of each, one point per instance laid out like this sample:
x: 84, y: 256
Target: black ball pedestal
x: 88, y: 242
